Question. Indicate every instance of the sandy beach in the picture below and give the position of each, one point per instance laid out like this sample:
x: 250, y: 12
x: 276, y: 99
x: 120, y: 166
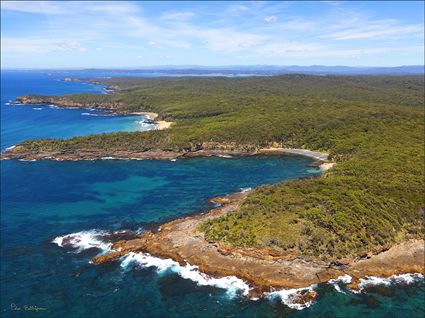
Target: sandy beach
x: 160, y: 124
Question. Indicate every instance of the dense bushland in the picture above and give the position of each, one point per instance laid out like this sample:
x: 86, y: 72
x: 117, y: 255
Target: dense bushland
x: 372, y: 126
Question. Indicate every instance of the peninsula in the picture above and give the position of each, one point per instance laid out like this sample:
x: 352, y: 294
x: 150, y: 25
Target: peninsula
x: 363, y: 216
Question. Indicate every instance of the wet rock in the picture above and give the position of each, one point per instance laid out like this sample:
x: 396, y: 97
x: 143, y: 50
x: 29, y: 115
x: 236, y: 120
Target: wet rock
x: 387, y: 291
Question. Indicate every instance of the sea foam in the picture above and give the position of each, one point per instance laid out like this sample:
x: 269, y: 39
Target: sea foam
x: 403, y: 279
x: 369, y: 281
x: 84, y: 240
x: 293, y: 297
x: 341, y: 280
x: 232, y: 284
x: 244, y: 190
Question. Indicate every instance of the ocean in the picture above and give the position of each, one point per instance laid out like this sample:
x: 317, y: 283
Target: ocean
x: 55, y: 216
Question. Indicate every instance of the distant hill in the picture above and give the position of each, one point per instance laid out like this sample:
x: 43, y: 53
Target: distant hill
x: 271, y: 70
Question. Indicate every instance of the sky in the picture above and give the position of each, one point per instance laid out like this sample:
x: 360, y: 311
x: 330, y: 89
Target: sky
x: 77, y: 34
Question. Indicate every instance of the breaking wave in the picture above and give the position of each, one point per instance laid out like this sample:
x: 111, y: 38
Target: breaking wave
x: 84, y: 240
x: 340, y: 281
x: 369, y: 281
x: 232, y: 284
x: 403, y: 279
x: 299, y: 299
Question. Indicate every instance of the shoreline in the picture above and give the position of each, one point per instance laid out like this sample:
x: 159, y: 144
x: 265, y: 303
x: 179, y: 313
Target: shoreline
x: 13, y: 152
x: 159, y: 124
x: 181, y: 241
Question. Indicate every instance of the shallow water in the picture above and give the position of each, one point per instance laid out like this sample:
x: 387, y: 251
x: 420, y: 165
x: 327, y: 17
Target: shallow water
x: 43, y: 201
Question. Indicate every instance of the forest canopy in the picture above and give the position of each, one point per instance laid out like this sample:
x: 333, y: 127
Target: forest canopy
x: 372, y: 126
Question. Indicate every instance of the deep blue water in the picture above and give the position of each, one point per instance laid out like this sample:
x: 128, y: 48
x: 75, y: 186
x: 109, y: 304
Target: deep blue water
x: 21, y: 122
x: 44, y: 200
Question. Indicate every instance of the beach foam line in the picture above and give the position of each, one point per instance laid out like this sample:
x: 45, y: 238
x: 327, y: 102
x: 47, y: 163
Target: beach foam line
x: 293, y: 298
x: 402, y: 279
x: 244, y: 190
x: 232, y: 284
x: 84, y: 240
x: 339, y: 281
x: 369, y: 281
x: 144, y: 125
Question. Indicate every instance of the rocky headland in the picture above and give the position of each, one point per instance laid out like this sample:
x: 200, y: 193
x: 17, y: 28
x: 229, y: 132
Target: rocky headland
x: 62, y: 101
x: 264, y: 269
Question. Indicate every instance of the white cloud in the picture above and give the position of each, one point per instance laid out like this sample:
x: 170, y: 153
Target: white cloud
x: 38, y: 46
x: 109, y: 8
x: 124, y: 25
x: 177, y: 16
x: 64, y: 7
x: 228, y: 40
x: 333, y: 3
x: 314, y: 50
x: 139, y: 57
x: 270, y: 19
x: 38, y: 7
x: 238, y: 8
x: 375, y: 30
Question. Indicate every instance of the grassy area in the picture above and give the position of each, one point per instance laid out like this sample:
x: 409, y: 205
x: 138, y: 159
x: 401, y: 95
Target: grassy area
x: 372, y: 126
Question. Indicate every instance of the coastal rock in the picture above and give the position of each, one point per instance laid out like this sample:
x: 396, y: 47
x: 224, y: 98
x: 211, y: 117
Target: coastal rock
x: 63, y: 101
x: 181, y: 241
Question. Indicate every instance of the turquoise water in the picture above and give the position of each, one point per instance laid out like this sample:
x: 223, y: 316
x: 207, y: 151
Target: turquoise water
x: 44, y: 200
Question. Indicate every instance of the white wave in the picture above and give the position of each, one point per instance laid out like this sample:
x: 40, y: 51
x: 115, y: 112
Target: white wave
x: 7, y: 103
x: 83, y: 240
x: 26, y: 160
x: 225, y: 156
x: 243, y: 190
x: 145, y: 126
x: 232, y: 284
x: 403, y: 279
x: 53, y: 106
x: 108, y: 158
x: 292, y: 297
x: 140, y: 230
x: 38, y: 108
x: 337, y: 282
x: 11, y: 147
x: 89, y: 114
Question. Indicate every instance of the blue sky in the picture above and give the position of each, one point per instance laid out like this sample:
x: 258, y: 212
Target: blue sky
x: 50, y: 34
